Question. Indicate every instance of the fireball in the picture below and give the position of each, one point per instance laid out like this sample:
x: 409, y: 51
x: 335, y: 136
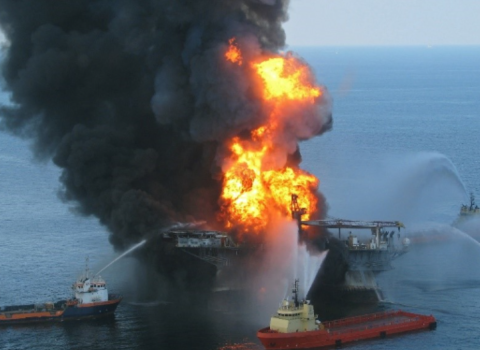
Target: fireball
x: 255, y: 189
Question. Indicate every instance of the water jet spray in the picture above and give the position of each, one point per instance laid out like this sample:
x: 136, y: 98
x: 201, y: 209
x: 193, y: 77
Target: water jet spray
x: 123, y: 254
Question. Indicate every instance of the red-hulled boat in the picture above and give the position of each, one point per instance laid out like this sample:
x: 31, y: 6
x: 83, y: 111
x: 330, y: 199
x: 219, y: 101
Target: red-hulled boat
x: 296, y: 326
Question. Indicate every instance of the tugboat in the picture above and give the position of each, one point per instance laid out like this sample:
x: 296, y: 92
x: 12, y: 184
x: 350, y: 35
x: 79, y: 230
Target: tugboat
x: 296, y: 326
x: 90, y: 300
x: 468, y: 211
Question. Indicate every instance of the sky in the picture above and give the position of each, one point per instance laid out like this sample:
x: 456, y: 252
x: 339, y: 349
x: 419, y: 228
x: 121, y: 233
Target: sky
x: 383, y: 22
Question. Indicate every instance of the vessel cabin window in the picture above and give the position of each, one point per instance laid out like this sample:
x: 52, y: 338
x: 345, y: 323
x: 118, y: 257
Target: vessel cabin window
x: 289, y: 315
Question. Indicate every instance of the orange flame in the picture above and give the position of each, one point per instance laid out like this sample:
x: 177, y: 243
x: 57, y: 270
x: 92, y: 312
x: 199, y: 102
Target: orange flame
x: 233, y: 54
x: 251, y: 194
x: 255, y: 186
x: 285, y: 78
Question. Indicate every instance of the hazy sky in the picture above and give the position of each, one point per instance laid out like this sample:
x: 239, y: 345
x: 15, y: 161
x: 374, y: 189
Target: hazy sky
x: 383, y: 22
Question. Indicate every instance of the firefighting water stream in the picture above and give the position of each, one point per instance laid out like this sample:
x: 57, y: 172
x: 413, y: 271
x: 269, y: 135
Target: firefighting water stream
x: 128, y: 251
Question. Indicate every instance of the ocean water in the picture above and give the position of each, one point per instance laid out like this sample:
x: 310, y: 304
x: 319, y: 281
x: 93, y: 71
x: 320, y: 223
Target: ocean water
x: 404, y: 146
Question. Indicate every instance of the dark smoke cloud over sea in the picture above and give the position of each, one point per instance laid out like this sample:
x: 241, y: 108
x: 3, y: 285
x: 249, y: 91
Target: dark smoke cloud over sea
x: 133, y: 99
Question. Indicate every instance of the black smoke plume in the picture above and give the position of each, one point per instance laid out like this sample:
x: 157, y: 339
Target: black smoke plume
x: 133, y: 100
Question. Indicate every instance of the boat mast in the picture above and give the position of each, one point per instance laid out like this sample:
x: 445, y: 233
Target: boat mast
x: 295, y: 293
x: 86, y: 268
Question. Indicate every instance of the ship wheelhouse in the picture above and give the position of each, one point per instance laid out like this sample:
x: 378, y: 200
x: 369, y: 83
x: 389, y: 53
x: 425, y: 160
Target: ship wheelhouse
x: 90, y: 289
x: 294, y: 316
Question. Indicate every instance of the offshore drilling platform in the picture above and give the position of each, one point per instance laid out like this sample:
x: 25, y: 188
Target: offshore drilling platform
x: 347, y: 276
x: 362, y: 259
x: 365, y: 260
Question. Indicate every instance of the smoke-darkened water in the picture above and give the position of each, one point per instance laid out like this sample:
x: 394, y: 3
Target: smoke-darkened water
x: 404, y: 146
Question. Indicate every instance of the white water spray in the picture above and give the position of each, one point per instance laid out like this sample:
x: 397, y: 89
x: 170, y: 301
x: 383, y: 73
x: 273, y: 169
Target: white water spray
x: 466, y: 236
x: 409, y: 188
x: 431, y: 230
x: 308, y: 265
x: 305, y: 264
x: 123, y: 254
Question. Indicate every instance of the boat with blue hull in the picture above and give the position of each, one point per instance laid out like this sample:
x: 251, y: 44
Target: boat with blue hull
x: 90, y: 300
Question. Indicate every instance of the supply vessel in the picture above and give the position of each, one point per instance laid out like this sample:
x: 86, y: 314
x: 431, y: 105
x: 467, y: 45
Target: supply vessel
x: 295, y: 326
x: 90, y: 300
x: 468, y: 211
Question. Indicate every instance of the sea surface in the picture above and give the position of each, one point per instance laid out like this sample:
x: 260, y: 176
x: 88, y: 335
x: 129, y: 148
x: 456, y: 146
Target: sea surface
x: 404, y: 146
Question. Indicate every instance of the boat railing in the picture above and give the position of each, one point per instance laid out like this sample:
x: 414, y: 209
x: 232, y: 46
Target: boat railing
x: 356, y: 319
x: 290, y: 308
x: 72, y: 302
x: 17, y: 308
x: 409, y: 318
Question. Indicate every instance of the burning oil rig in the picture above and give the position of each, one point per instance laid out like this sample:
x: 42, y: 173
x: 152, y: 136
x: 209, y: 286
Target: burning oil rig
x: 347, y: 276
x: 210, y: 130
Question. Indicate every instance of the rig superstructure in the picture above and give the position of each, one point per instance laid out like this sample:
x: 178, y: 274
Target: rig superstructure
x: 213, y: 247
x: 229, y: 262
x: 365, y: 257
x: 375, y: 254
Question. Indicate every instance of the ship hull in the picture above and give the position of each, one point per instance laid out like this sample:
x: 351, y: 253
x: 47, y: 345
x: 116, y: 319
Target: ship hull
x: 336, y: 333
x: 60, y: 313
x: 31, y: 317
x: 93, y: 310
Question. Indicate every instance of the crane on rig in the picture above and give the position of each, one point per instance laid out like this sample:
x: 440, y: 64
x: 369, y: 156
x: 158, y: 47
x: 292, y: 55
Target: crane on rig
x: 377, y: 228
x: 365, y: 257
x: 376, y: 254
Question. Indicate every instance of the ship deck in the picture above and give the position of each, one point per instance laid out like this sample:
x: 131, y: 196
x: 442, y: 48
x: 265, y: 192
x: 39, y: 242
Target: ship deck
x: 347, y: 330
x: 377, y: 320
